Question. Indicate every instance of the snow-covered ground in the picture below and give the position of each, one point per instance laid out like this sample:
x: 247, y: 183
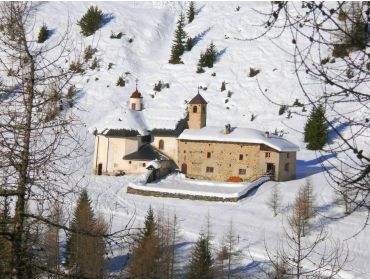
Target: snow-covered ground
x: 151, y: 26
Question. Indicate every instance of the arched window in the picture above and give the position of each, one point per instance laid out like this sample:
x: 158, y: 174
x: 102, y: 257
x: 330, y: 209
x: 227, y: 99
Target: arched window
x: 195, y: 109
x: 161, y: 144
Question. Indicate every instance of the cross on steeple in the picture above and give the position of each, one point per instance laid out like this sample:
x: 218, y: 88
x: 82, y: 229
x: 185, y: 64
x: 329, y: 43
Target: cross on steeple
x: 136, y: 83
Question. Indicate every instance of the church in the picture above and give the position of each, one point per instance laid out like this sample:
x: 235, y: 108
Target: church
x: 134, y: 145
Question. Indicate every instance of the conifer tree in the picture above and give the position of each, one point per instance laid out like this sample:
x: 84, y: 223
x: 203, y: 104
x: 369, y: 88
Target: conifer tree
x: 201, y: 262
x: 91, y: 21
x: 316, y: 130
x: 43, y: 34
x: 208, y: 58
x: 85, y: 244
x: 178, y: 46
x: 191, y: 12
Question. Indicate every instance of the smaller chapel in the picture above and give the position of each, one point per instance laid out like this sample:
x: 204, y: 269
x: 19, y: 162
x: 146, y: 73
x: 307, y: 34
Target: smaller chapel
x: 134, y: 144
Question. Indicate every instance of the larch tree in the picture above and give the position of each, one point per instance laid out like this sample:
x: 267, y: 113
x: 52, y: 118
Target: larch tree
x: 299, y: 255
x: 85, y: 253
x: 274, y: 200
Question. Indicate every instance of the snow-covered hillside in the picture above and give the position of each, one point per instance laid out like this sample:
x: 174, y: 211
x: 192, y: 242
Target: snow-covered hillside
x: 151, y: 25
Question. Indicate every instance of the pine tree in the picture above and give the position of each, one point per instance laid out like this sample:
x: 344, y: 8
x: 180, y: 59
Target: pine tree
x: 91, y: 21
x: 43, y: 34
x: 316, y: 130
x: 191, y: 12
x: 211, y: 55
x: 201, y: 262
x: 178, y: 46
x: 85, y: 244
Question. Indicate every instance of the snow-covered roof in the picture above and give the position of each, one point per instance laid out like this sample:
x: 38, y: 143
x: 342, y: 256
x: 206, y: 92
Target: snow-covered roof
x: 155, y: 164
x: 239, y: 135
x: 122, y: 122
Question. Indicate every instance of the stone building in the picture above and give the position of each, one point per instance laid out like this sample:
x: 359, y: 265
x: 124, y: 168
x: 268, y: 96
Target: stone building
x: 197, y: 150
x: 226, y: 153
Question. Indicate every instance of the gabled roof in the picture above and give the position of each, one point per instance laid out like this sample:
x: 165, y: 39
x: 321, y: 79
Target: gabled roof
x: 136, y: 94
x: 238, y: 135
x: 146, y: 152
x: 198, y: 99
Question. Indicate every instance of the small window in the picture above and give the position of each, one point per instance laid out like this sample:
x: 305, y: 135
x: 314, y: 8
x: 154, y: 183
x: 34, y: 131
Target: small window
x: 161, y: 144
x: 208, y: 155
x: 130, y: 162
x: 195, y: 109
x: 209, y: 169
x: 286, y: 167
x: 240, y: 157
x: 287, y: 155
x: 242, y: 171
x: 184, y: 152
x: 144, y: 164
x: 267, y: 154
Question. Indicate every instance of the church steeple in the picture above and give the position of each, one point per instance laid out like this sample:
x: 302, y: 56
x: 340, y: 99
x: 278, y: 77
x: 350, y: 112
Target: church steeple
x: 197, y: 109
x: 136, y: 100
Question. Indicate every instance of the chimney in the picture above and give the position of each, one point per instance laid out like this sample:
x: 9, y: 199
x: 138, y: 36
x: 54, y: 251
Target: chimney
x: 267, y: 134
x: 227, y: 129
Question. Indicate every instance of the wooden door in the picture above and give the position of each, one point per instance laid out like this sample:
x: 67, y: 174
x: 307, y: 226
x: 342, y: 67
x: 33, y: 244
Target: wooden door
x: 184, y: 168
x: 100, y: 169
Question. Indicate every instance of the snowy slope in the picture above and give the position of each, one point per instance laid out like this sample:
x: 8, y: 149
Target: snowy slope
x: 151, y: 26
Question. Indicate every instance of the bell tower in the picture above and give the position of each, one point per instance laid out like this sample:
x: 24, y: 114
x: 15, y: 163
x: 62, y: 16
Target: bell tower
x: 136, y: 101
x: 197, y: 109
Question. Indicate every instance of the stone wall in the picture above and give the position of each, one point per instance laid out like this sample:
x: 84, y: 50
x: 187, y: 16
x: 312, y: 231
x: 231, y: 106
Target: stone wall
x: 221, y: 160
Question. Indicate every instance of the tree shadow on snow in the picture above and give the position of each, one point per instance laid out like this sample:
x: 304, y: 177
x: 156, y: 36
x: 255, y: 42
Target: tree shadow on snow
x: 339, y: 128
x: 200, y: 36
x: 106, y: 19
x: 249, y: 270
x: 309, y: 167
x: 116, y: 264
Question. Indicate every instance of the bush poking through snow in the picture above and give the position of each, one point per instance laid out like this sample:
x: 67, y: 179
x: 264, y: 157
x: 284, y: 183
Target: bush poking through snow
x: 253, y: 117
x: 223, y: 86
x: 43, y: 34
x: 120, y: 82
x: 76, y: 67
x: 282, y: 109
x: 71, y: 93
x: 116, y: 36
x: 200, y: 70
x: 94, y: 64
x: 298, y: 103
x: 91, y: 21
x: 110, y: 65
x: 253, y: 72
x: 88, y: 53
x: 158, y: 86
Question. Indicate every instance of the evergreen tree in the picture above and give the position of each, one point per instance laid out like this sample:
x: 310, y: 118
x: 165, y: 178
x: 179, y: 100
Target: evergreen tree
x: 191, y: 12
x: 85, y: 244
x: 316, y: 130
x: 201, y: 262
x: 91, y: 21
x: 208, y: 58
x: 178, y: 46
x: 43, y: 34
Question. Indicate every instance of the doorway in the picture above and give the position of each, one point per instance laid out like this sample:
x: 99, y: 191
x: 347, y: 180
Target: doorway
x: 100, y: 169
x: 184, y: 168
x: 270, y: 170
